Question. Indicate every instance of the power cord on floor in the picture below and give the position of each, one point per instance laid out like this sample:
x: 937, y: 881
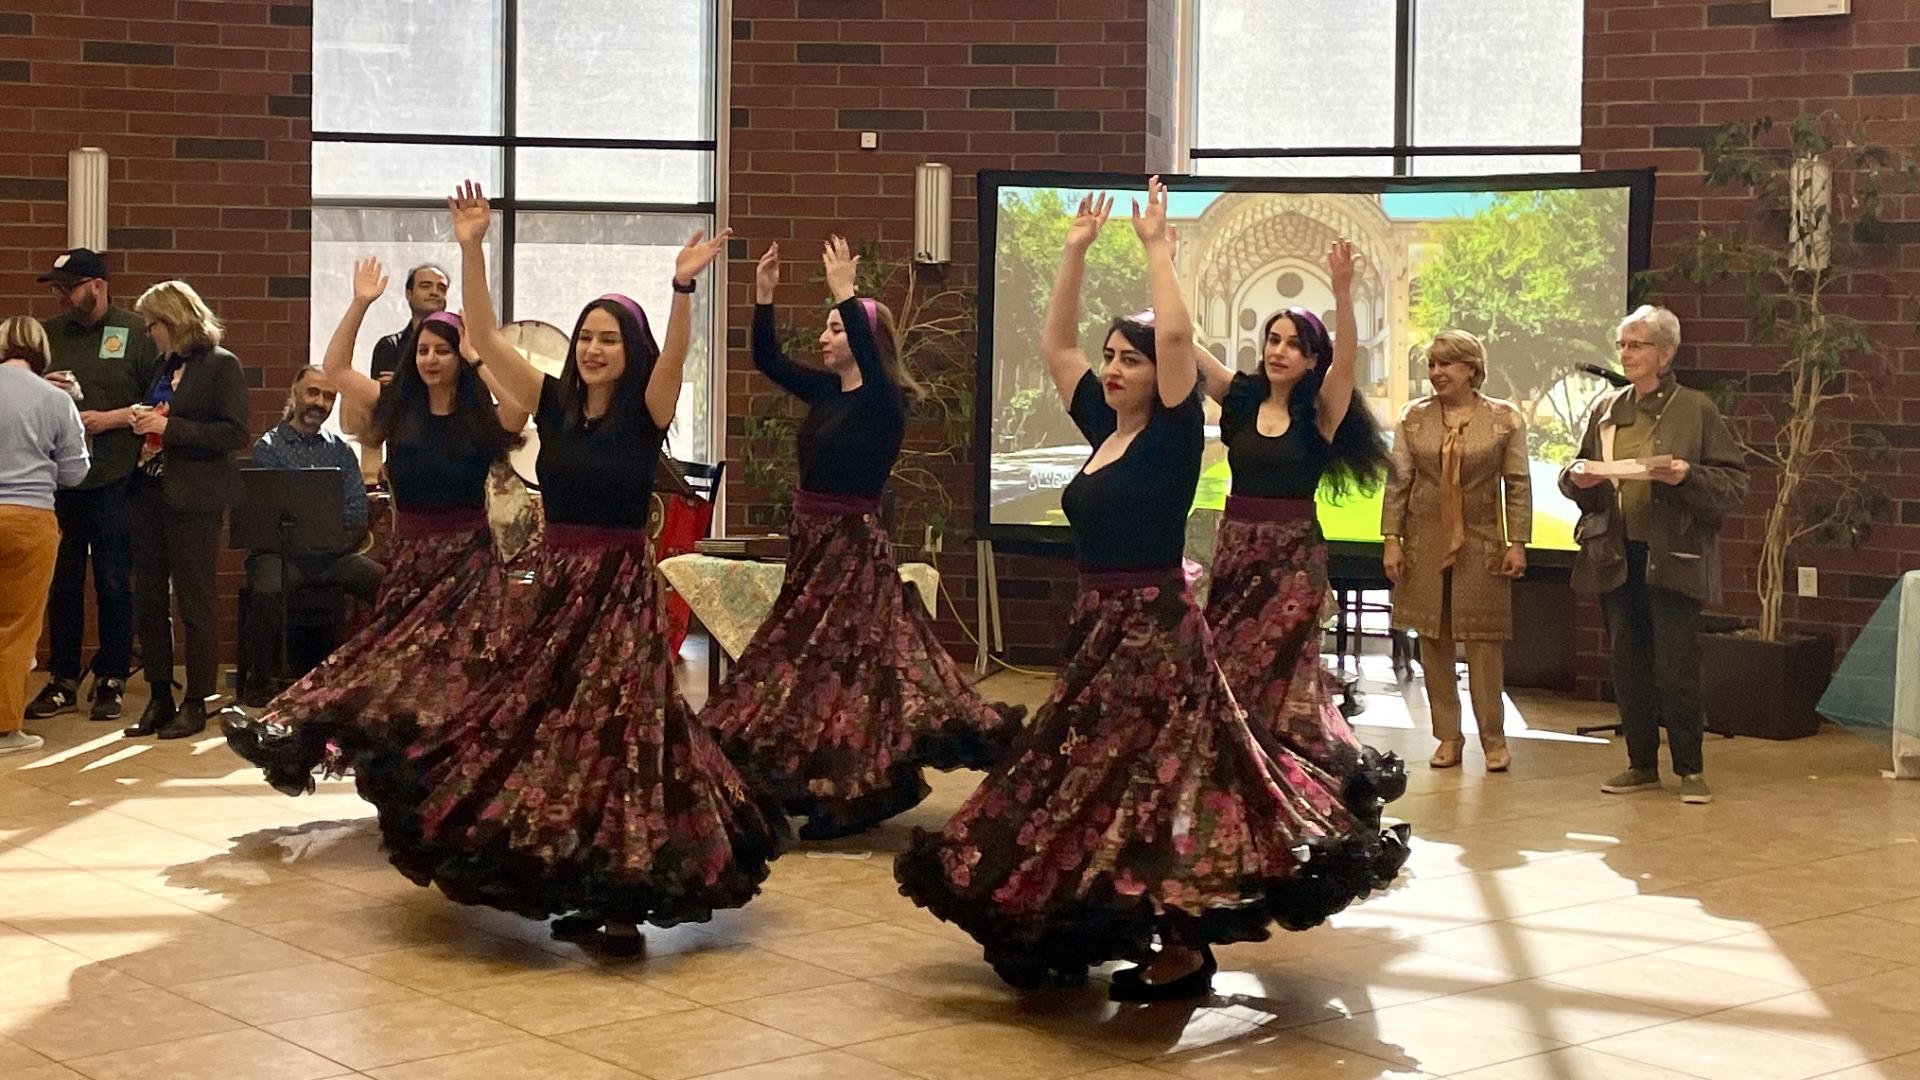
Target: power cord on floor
x: 977, y: 643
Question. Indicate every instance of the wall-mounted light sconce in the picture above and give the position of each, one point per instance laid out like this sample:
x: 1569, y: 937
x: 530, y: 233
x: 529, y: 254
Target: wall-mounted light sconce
x: 1810, y: 241
x: 87, y: 198
x: 933, y: 213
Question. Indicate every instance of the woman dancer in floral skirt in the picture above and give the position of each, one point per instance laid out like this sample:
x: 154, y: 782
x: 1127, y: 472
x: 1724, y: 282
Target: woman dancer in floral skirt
x: 1141, y: 808
x: 844, y: 694
x: 438, y: 599
x: 580, y: 782
x: 1297, y: 420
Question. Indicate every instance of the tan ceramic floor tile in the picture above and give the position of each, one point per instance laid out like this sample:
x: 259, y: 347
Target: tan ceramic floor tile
x: 103, y: 1025
x: 677, y: 1045
x: 373, y: 930
x: 1859, y: 935
x: 460, y: 965
x: 528, y: 1059
x: 1430, y: 1039
x: 1573, y: 1063
x: 392, y: 1034
x: 1419, y: 906
x: 564, y: 1001
x: 14, y: 1057
x: 826, y: 1065
x: 43, y: 1072
x: 735, y: 973
x: 209, y: 952
x: 1288, y: 1056
x: 266, y: 997
x: 1559, y: 1012
x: 1838, y: 1023
x: 1671, y: 984
x: 1638, y: 925
x: 858, y: 1012
x: 280, y: 902
x: 973, y: 1051
x: 871, y: 950
x: 1904, y: 1067
x: 1139, y: 1032
x: 1897, y: 989
x: 1400, y: 974
x: 1717, y: 1051
x: 778, y: 914
x: 251, y: 1053
x: 1770, y: 955
x: 1902, y: 911
x: 58, y: 977
x: 1510, y: 947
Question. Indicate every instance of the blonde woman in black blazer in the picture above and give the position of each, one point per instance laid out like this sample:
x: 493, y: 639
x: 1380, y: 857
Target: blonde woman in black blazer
x: 193, y: 422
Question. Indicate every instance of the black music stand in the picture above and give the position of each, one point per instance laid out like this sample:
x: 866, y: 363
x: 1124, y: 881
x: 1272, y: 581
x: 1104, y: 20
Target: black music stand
x: 289, y: 512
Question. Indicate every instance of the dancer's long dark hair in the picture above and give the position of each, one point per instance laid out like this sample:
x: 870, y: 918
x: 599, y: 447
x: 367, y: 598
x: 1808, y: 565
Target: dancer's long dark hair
x: 630, y: 393
x: 403, y: 406
x: 1357, y: 456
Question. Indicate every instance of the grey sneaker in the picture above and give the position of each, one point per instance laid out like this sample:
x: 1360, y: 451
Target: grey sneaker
x: 1693, y: 789
x: 19, y: 742
x: 1632, y: 780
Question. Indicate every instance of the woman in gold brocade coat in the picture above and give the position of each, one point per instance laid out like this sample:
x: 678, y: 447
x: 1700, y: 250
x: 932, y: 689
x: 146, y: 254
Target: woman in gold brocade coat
x: 1460, y: 458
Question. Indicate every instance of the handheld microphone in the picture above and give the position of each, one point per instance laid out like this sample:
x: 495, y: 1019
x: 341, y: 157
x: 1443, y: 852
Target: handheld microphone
x: 1612, y: 377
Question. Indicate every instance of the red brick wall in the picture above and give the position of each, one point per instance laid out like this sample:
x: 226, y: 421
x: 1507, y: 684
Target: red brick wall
x: 977, y: 84
x: 202, y: 106
x: 1660, y: 74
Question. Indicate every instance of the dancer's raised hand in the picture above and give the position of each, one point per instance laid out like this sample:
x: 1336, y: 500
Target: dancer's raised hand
x: 369, y: 281
x: 1151, y: 224
x: 1087, y: 221
x: 472, y: 214
x: 1342, y: 262
x: 766, y: 275
x: 841, y: 265
x: 698, y: 254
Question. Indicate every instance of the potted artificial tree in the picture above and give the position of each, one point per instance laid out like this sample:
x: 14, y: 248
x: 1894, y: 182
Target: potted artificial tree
x: 1798, y: 262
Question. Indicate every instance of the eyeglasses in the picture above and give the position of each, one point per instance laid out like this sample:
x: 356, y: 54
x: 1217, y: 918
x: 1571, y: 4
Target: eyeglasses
x: 1635, y: 346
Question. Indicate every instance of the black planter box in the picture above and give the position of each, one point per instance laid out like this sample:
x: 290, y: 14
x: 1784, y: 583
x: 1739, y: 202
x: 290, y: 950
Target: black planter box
x: 1763, y: 689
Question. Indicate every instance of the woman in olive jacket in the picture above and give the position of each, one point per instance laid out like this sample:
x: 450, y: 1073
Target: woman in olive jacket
x: 193, y: 422
x: 1649, y: 545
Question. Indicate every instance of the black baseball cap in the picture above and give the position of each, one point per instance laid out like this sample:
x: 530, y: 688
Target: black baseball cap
x: 76, y: 266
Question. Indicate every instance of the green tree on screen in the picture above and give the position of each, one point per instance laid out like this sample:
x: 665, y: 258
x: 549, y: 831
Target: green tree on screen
x: 1536, y: 275
x: 1032, y: 228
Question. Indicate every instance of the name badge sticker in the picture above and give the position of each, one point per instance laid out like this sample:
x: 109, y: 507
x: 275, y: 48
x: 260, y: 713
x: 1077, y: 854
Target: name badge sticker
x: 113, y: 343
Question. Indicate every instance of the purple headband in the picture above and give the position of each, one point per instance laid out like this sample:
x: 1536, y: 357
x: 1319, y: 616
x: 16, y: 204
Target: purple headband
x: 459, y: 325
x: 1312, y: 319
x: 872, y: 307
x: 632, y: 308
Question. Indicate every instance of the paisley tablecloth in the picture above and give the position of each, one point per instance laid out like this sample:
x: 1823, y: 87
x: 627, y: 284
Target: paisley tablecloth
x: 731, y: 597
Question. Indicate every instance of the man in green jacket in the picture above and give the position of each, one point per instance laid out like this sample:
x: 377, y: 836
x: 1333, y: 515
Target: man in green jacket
x: 112, y: 358
x: 1649, y: 544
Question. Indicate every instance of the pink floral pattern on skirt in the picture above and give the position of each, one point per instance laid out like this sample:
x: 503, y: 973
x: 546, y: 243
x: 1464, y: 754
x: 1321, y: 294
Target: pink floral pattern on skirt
x: 1139, y: 805
x: 578, y: 780
x: 437, y: 605
x: 844, y: 693
x: 1264, y: 607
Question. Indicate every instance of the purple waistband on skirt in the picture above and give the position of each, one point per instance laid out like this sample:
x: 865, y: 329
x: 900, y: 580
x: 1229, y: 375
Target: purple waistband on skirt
x: 826, y: 504
x: 1255, y: 509
x: 594, y: 537
x: 432, y: 520
x: 1148, y: 577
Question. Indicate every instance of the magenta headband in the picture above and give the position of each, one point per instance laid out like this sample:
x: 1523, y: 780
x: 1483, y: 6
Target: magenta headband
x: 1144, y: 318
x: 631, y: 307
x: 1310, y: 318
x: 872, y: 307
x: 459, y: 325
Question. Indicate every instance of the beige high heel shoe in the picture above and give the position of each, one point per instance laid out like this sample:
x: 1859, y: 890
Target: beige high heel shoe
x: 1447, y: 754
x: 1498, y: 759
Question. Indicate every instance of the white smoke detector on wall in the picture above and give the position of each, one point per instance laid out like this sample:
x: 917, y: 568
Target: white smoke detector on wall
x: 1800, y: 9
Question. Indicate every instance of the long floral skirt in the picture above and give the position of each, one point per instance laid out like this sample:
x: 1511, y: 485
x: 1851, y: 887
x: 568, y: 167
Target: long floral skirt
x: 438, y: 603
x: 1269, y: 586
x: 1140, y: 806
x: 844, y: 693
x: 579, y: 781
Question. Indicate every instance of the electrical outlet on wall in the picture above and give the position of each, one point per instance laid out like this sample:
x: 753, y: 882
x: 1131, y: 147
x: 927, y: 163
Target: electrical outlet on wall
x: 869, y: 140
x: 934, y: 542
x: 1809, y: 581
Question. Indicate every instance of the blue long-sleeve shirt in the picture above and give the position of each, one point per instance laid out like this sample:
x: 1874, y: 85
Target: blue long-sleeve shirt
x: 285, y: 448
x: 42, y: 444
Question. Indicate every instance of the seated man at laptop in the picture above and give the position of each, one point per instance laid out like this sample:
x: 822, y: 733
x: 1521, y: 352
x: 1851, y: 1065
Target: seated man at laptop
x: 299, y: 443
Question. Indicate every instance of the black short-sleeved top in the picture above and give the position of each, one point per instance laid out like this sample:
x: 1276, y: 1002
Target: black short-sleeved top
x: 600, y: 474
x: 1285, y: 466
x: 429, y: 473
x: 850, y: 438
x: 1132, y: 513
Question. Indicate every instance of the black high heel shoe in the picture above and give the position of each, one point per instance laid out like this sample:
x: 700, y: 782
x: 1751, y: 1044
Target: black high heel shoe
x: 1130, y: 985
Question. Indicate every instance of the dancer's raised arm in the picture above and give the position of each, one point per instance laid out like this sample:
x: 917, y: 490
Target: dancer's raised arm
x: 1060, y: 332
x: 515, y: 380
